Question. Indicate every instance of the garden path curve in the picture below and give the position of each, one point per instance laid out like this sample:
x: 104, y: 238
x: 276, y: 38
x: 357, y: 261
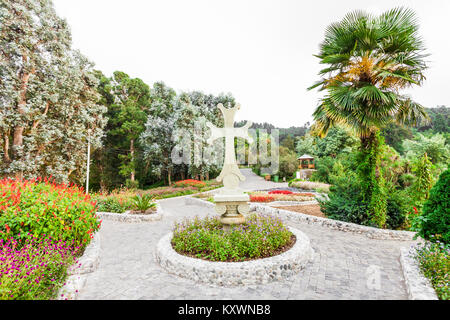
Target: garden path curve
x: 345, y: 266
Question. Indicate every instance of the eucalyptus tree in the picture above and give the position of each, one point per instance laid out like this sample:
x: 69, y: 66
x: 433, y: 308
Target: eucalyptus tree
x: 48, y: 97
x: 156, y: 139
x: 370, y: 59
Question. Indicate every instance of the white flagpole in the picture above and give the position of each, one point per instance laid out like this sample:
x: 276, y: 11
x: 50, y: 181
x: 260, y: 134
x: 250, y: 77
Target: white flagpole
x: 88, y: 161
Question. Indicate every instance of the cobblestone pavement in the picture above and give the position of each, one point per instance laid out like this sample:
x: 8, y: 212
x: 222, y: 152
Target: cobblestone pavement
x: 345, y: 266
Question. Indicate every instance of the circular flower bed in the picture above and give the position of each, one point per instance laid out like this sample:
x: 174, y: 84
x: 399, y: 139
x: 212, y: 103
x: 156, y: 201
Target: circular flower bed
x: 260, y: 236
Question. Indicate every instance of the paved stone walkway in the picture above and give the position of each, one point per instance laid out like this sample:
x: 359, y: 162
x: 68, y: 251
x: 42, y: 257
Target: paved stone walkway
x: 345, y: 266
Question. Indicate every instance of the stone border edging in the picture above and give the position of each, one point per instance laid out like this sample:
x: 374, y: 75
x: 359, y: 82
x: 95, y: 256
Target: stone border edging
x: 199, y: 202
x: 417, y: 285
x: 77, y: 276
x: 290, y: 203
x: 369, y: 232
x: 132, y: 218
x: 258, y: 271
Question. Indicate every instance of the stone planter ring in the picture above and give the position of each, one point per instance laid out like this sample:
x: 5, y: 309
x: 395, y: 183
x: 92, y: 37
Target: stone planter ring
x: 258, y: 271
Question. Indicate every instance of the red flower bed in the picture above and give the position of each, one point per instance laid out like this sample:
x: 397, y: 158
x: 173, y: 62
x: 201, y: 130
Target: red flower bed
x: 190, y: 183
x: 255, y: 198
x: 280, y: 192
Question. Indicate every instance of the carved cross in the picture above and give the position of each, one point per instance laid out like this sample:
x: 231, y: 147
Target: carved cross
x: 230, y: 174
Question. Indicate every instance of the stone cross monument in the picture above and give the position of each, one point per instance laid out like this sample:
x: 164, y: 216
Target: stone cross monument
x: 231, y: 201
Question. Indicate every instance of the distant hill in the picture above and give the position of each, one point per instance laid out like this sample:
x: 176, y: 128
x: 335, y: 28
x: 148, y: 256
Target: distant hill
x: 440, y: 120
x: 284, y: 132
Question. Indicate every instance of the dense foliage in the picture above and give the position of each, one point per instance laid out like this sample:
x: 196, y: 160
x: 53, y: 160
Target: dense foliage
x: 260, y: 236
x: 346, y: 203
x: 48, y: 95
x: 435, y: 220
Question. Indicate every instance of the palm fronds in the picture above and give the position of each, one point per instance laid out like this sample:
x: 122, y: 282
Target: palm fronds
x: 369, y: 60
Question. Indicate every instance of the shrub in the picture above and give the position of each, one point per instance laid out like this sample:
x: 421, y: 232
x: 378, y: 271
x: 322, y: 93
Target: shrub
x: 33, y: 268
x: 435, y: 220
x: 398, y: 204
x: 260, y: 236
x: 323, y: 189
x: 434, y: 261
x: 42, y: 207
x: 112, y: 204
x: 324, y: 169
x: 345, y: 202
x: 132, y: 184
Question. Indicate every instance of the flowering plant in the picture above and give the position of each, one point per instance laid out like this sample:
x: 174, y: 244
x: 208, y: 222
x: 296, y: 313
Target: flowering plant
x: 434, y: 262
x: 34, y: 268
x: 40, y: 206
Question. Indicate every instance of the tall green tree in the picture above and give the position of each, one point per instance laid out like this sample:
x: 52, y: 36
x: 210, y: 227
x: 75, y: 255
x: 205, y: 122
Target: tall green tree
x: 48, y: 97
x: 131, y: 107
x: 370, y: 59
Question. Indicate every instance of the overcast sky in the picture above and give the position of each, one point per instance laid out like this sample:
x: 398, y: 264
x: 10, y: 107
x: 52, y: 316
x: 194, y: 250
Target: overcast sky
x: 260, y: 51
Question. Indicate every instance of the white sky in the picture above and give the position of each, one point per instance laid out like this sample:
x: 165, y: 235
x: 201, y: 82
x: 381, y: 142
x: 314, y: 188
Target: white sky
x: 260, y: 51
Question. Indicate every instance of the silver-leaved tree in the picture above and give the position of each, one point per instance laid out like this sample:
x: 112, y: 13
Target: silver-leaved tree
x: 48, y: 97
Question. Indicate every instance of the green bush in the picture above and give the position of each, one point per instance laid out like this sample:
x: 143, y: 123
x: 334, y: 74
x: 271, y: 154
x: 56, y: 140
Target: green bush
x: 346, y: 204
x: 324, y: 169
x: 260, y: 236
x: 130, y: 184
x: 436, y: 211
x: 112, y: 204
x: 398, y: 206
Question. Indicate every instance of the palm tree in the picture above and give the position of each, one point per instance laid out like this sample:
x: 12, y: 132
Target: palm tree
x: 370, y: 60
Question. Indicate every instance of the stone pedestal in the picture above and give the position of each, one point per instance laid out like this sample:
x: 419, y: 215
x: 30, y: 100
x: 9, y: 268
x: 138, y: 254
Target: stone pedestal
x: 232, y: 208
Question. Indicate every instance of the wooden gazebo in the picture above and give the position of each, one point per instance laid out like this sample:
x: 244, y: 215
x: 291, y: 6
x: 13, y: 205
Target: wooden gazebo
x: 306, y: 162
